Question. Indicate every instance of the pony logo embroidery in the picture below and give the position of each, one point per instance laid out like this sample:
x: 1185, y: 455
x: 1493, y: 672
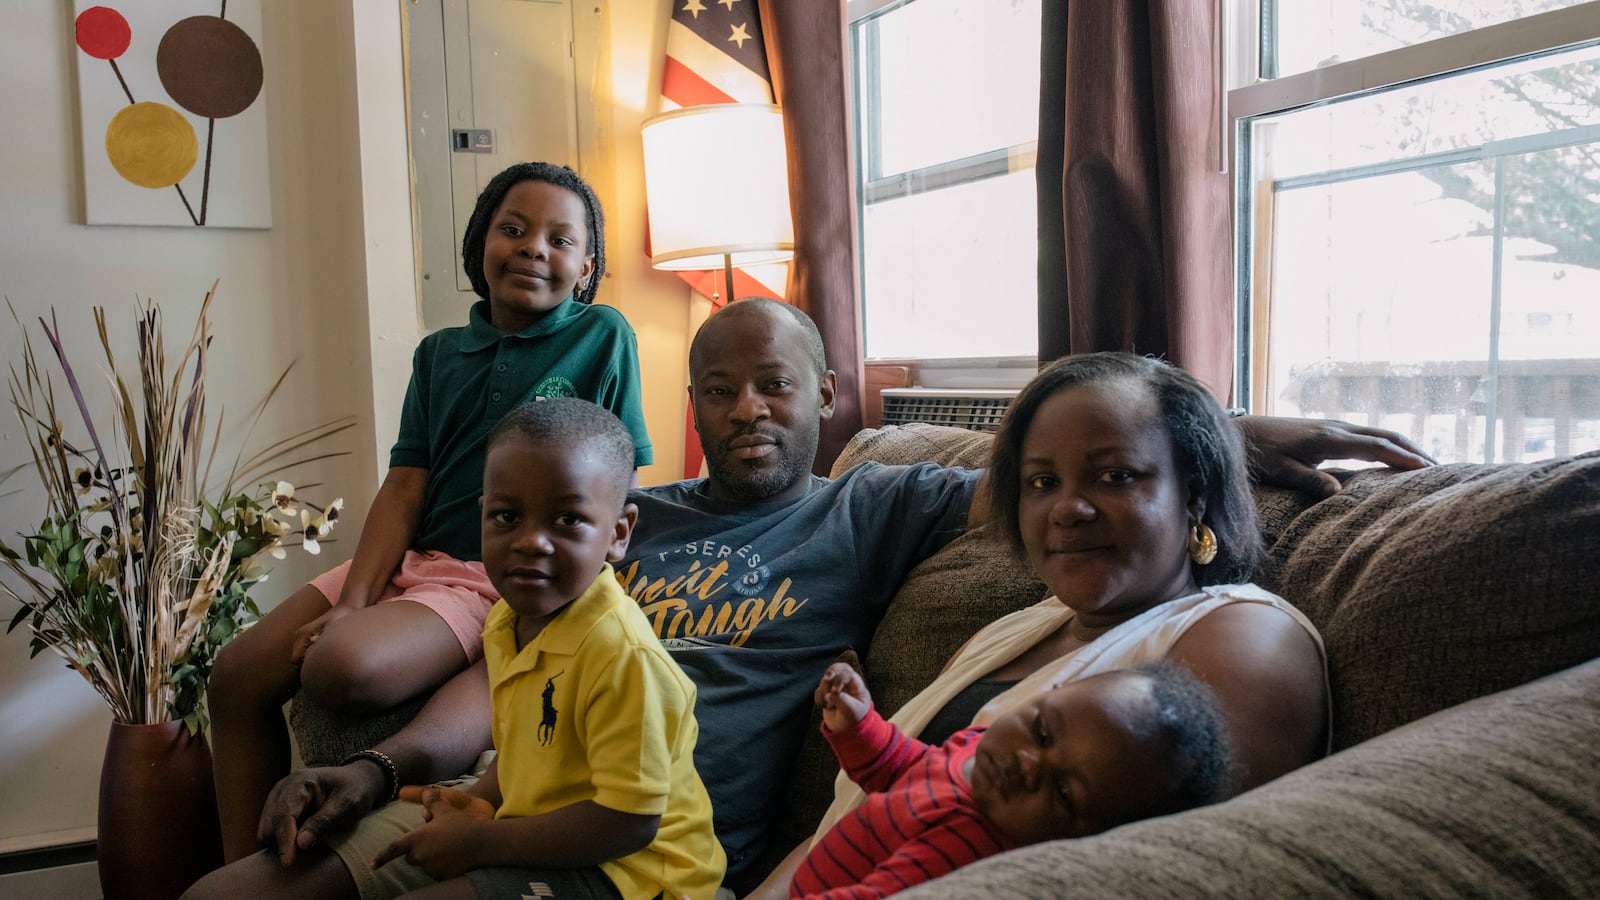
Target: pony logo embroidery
x: 547, y: 724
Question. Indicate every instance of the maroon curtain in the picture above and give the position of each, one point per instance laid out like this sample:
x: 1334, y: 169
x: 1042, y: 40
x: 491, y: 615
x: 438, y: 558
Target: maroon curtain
x: 1134, y: 239
x: 806, y: 44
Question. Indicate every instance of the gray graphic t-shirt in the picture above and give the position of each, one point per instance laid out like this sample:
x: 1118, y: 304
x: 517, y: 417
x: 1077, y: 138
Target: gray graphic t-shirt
x: 754, y: 602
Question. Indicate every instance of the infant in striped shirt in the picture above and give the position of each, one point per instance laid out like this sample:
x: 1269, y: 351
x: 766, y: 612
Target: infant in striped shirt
x: 1082, y: 758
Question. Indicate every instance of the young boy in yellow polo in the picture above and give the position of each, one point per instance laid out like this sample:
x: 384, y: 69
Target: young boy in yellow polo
x: 593, y: 792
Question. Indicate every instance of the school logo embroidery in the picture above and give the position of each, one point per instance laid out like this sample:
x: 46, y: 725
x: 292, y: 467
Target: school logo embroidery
x: 547, y: 725
x: 554, y: 386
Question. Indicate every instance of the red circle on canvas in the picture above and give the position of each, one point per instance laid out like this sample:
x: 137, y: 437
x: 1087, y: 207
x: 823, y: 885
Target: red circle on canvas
x: 103, y: 33
x: 209, y: 66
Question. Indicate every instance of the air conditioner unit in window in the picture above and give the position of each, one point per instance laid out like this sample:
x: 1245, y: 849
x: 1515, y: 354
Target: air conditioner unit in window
x: 975, y: 409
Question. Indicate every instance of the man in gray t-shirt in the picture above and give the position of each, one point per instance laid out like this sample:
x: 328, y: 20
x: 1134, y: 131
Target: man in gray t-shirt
x: 754, y: 601
x: 755, y: 578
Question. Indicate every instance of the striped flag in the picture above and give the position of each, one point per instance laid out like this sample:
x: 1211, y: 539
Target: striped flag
x: 715, y: 54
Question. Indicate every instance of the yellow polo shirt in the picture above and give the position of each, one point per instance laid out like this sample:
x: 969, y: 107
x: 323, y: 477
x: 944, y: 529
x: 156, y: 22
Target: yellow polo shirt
x: 594, y: 709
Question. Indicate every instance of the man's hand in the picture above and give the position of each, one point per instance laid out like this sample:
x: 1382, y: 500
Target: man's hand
x: 444, y: 845
x: 1286, y: 452
x: 309, y: 803
x: 843, y: 696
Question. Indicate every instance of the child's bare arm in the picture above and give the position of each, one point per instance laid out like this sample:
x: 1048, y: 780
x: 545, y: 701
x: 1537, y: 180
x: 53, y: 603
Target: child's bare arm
x: 488, y: 785
x: 456, y: 840
x: 385, y: 536
x: 843, y: 696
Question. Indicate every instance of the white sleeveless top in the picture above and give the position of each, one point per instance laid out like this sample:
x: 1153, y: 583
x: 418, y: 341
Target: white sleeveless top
x: 1142, y: 639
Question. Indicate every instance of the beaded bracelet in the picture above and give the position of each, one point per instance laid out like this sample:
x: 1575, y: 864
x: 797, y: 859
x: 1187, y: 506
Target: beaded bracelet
x: 391, y: 775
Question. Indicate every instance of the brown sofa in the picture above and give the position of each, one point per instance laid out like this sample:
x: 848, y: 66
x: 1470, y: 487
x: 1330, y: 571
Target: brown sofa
x: 1431, y: 588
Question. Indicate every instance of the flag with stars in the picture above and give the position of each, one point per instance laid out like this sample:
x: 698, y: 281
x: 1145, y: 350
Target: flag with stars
x: 715, y: 54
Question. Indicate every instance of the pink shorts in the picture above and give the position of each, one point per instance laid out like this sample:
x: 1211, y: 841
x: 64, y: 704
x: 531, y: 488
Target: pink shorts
x: 460, y: 592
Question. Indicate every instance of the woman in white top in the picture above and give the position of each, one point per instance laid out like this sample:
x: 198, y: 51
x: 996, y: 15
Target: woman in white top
x: 1123, y: 483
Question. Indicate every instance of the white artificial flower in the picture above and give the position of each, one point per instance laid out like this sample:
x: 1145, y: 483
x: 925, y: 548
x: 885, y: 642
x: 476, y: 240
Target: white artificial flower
x: 283, y: 495
x: 309, y: 532
x: 253, y: 569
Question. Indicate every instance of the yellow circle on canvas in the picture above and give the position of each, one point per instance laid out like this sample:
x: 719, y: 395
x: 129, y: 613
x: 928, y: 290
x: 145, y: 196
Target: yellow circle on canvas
x: 151, y: 145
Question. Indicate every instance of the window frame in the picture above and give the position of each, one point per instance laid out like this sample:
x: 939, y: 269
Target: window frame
x: 876, y: 187
x: 1251, y: 96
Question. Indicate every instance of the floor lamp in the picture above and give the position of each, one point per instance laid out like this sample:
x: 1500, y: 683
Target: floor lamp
x: 717, y: 188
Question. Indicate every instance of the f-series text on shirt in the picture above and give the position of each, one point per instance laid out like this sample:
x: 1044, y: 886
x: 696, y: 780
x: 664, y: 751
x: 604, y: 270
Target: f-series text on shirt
x: 722, y: 593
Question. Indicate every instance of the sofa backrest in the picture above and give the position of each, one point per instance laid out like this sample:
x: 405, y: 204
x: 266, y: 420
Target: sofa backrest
x: 1436, y: 586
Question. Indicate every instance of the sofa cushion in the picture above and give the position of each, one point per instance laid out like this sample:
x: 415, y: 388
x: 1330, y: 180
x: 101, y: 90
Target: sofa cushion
x: 969, y: 583
x: 324, y: 737
x: 1435, y: 586
x: 904, y: 445
x: 1495, y: 798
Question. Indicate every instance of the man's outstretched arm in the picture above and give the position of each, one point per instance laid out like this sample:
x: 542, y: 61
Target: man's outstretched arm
x: 1286, y: 452
x: 448, y: 734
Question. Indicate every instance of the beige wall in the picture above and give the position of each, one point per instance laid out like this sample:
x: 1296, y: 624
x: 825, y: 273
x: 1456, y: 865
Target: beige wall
x: 330, y: 286
x: 658, y: 304
x: 291, y: 293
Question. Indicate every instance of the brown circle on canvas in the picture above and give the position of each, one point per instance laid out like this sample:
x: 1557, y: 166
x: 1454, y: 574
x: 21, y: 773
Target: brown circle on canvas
x: 209, y: 66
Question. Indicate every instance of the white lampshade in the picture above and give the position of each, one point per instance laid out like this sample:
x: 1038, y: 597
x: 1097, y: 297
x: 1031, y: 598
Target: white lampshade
x: 717, y: 187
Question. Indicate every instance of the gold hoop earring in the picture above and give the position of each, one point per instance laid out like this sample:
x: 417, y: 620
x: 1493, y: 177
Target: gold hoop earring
x: 1202, y: 543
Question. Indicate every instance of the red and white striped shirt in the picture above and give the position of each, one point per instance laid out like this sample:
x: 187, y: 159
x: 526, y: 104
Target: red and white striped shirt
x: 917, y: 823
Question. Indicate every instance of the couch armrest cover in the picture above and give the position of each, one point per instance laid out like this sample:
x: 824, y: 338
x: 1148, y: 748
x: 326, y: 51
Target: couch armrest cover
x: 1495, y: 798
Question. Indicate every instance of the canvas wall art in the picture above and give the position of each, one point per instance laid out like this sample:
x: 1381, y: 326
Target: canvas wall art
x: 172, y: 113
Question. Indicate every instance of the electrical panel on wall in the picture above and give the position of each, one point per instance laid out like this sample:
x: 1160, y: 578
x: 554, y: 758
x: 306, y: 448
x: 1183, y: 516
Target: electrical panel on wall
x: 491, y: 83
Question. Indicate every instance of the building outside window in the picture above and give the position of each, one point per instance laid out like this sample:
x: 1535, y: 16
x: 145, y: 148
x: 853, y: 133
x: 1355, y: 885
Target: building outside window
x: 1418, y: 219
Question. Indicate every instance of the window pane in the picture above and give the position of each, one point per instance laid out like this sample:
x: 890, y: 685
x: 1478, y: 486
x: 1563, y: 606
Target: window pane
x: 1444, y: 286
x: 1501, y: 103
x: 1316, y: 34
x: 952, y: 273
x: 956, y: 78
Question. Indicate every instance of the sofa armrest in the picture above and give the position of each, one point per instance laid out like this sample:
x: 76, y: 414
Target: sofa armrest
x: 1498, y: 797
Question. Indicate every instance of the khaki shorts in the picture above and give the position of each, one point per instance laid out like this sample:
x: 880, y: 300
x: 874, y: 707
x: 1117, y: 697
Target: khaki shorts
x: 359, y: 846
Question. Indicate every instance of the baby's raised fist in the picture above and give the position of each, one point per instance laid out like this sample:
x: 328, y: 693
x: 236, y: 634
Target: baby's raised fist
x: 843, y: 696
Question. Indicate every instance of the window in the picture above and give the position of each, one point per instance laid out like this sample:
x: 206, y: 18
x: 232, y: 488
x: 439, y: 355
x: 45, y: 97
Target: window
x: 947, y: 97
x: 1418, y: 204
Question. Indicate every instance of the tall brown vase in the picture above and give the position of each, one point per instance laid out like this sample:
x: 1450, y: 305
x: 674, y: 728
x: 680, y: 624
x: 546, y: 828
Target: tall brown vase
x: 158, y: 828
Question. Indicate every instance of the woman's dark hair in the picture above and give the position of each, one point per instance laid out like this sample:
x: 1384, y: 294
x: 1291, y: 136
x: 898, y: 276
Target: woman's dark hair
x: 494, y: 193
x: 1210, y: 452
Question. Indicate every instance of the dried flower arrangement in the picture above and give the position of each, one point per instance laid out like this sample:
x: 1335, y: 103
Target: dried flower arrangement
x: 141, y: 569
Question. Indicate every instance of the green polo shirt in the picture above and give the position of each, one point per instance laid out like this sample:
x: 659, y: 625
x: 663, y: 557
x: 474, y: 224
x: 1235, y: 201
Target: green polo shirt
x: 464, y: 379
